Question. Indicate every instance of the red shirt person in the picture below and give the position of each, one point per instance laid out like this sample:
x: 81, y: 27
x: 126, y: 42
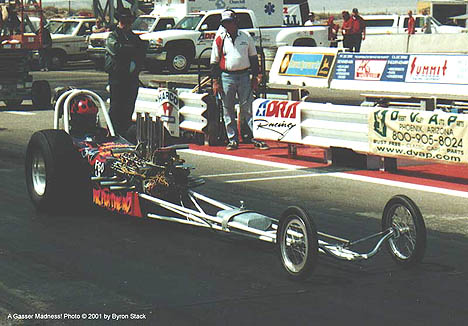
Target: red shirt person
x: 411, y: 24
x: 347, y: 29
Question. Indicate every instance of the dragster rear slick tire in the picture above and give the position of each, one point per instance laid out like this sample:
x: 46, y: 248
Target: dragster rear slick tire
x: 408, y: 245
x: 57, y: 178
x: 297, y: 241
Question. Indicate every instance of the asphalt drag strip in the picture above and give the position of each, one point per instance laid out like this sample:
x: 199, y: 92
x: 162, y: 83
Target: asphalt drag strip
x: 416, y: 175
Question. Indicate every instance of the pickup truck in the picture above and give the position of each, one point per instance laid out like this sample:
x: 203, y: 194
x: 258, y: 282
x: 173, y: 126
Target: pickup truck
x: 69, y: 39
x: 143, y: 24
x: 193, y: 35
x: 395, y: 24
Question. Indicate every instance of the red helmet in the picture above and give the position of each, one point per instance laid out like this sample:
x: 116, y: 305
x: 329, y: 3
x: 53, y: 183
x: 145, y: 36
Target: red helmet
x: 83, y: 114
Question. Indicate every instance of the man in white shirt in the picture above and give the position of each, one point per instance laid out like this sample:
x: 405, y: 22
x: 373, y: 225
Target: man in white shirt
x: 233, y: 59
x: 311, y: 21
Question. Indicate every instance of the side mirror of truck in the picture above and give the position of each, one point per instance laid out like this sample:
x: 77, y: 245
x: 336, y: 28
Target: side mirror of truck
x: 204, y: 27
x: 169, y: 26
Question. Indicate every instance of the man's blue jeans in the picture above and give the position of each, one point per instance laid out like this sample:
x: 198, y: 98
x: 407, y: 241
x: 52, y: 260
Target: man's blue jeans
x: 236, y: 84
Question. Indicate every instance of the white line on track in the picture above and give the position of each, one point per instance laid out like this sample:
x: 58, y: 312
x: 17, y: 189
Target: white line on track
x: 277, y: 178
x: 242, y: 173
x: 21, y: 112
x: 443, y: 191
x: 244, y: 159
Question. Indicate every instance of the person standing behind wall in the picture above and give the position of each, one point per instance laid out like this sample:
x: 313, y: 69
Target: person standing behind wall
x: 233, y: 59
x: 427, y: 28
x: 346, y: 30
x: 359, y: 30
x: 411, y: 24
x: 332, y: 31
x: 125, y: 54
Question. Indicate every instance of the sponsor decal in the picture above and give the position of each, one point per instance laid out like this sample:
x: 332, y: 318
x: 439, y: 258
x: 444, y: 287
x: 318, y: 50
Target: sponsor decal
x: 306, y: 64
x: 419, y: 134
x: 207, y: 36
x: 283, y: 109
x: 99, y: 168
x: 369, y: 69
x: 277, y: 120
x: 99, y: 153
x: 425, y: 68
x: 126, y: 203
x: 169, y: 106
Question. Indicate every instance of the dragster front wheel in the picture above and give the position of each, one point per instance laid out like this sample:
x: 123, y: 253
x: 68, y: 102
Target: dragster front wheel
x: 298, y: 242
x: 408, y: 244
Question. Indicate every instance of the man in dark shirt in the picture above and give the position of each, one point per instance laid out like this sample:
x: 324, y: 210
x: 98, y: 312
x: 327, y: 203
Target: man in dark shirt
x: 125, y: 54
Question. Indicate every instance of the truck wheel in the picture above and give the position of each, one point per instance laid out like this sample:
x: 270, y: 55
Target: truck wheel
x: 40, y: 94
x: 13, y: 103
x: 297, y: 240
x: 57, y: 178
x: 178, y: 61
x: 305, y: 42
x: 57, y: 59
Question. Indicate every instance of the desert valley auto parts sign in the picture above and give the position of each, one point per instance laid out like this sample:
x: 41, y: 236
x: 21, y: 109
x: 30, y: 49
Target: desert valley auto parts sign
x: 402, y: 72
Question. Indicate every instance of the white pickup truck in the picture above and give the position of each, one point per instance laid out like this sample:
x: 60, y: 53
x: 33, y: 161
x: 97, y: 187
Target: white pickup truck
x: 143, y: 24
x: 395, y: 24
x: 192, y: 37
x: 69, y: 39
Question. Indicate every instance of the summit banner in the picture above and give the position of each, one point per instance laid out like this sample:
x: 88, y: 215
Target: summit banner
x: 402, y: 73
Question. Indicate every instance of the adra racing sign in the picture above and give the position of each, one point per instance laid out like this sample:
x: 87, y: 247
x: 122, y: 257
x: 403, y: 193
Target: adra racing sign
x: 426, y: 135
x: 277, y: 120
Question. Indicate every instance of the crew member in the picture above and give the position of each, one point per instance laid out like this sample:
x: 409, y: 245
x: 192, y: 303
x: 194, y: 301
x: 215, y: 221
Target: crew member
x: 125, y: 54
x: 333, y: 29
x: 45, y: 51
x: 359, y: 30
x: 311, y: 21
x: 346, y: 30
x: 99, y: 27
x: 427, y: 28
x: 233, y: 59
x: 411, y: 24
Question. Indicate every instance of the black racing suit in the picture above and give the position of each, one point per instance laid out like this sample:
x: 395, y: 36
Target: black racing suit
x: 125, y: 54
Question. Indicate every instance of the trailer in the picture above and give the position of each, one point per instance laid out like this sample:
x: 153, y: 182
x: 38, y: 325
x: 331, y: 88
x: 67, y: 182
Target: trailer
x: 16, y: 47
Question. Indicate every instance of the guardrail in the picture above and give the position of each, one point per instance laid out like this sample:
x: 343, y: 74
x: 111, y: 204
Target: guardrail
x: 184, y: 110
x: 376, y: 132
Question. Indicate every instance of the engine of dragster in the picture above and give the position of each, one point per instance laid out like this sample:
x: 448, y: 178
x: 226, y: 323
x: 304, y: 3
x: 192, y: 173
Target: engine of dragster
x: 119, y: 166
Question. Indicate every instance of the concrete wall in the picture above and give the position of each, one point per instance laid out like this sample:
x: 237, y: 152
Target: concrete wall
x: 418, y: 43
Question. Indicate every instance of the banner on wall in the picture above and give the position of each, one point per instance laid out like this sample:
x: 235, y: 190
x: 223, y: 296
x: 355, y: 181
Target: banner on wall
x: 426, y: 135
x: 304, y: 66
x: 402, y: 68
x: 277, y: 120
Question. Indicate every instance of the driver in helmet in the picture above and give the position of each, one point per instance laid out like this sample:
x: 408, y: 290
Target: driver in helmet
x: 83, y: 115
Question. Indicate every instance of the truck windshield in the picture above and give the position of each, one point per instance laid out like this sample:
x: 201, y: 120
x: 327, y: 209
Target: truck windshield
x: 189, y: 22
x: 143, y: 24
x: 66, y: 28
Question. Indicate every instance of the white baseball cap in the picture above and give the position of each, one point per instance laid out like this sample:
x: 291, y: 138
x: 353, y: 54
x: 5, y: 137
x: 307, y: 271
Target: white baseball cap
x: 228, y: 15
